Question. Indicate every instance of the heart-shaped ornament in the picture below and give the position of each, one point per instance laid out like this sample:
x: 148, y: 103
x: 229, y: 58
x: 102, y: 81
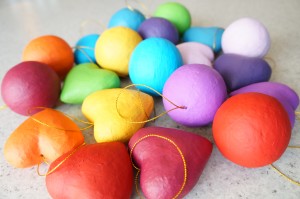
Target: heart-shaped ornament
x: 45, y: 135
x: 170, y: 160
x: 117, y: 113
x: 85, y: 79
x: 100, y: 170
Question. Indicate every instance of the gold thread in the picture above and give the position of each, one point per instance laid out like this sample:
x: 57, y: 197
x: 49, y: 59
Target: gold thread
x: 141, y: 4
x: 58, y: 128
x: 87, y: 21
x: 284, y: 175
x: 215, y: 40
x: 81, y: 49
x: 179, y: 151
x: 154, y: 118
x: 3, y: 107
x: 297, y: 113
x: 59, y: 164
x: 272, y: 62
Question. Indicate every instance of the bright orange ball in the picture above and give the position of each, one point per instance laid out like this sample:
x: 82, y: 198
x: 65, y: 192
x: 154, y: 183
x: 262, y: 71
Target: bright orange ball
x: 252, y: 129
x: 51, y: 50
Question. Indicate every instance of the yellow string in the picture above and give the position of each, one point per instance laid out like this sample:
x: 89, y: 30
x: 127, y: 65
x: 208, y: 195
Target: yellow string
x: 154, y: 118
x: 297, y: 113
x: 81, y: 49
x: 179, y: 151
x: 272, y: 62
x: 215, y: 40
x: 59, y: 164
x: 58, y: 128
x: 284, y: 175
x: 87, y: 21
x: 141, y: 4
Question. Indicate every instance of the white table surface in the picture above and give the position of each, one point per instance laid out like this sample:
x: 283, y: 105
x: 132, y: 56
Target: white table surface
x: 23, y: 20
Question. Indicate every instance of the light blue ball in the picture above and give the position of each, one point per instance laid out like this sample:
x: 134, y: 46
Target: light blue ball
x: 86, y: 53
x: 210, y: 36
x: 128, y: 18
x: 152, y: 62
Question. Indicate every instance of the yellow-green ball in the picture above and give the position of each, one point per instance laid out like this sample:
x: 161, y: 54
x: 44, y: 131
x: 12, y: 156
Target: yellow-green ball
x: 114, y: 47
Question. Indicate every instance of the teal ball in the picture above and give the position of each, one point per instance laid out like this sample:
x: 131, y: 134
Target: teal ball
x: 152, y: 62
x: 84, y: 49
x: 128, y: 18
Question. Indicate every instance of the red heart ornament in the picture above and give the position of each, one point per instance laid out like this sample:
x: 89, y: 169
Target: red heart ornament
x: 170, y: 160
x: 94, y: 171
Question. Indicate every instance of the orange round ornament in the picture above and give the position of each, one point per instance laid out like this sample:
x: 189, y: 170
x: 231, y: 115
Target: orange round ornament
x: 252, y: 129
x: 51, y: 50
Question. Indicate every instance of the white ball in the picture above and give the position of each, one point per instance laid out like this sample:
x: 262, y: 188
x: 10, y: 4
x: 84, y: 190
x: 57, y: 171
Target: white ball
x: 247, y: 37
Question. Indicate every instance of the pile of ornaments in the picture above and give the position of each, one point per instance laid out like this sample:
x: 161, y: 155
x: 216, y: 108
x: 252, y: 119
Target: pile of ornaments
x: 251, y: 118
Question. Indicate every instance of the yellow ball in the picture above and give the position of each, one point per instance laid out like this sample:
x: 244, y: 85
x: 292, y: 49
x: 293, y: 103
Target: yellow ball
x: 114, y: 47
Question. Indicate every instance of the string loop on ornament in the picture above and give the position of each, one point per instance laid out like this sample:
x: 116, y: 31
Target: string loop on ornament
x: 59, y: 164
x: 81, y: 49
x: 90, y: 124
x: 270, y: 61
x: 89, y: 21
x: 283, y: 174
x: 297, y: 113
x: 3, y: 107
x: 179, y: 151
x: 155, y: 117
x: 141, y: 4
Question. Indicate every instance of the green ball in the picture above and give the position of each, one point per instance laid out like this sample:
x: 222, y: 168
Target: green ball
x: 85, y: 79
x: 176, y: 13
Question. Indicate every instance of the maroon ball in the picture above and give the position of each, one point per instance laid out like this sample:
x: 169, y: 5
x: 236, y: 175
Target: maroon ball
x: 159, y: 27
x: 29, y: 85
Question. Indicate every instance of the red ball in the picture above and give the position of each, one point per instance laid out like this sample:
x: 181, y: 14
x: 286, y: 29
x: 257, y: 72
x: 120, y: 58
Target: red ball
x: 252, y: 129
x: 29, y: 85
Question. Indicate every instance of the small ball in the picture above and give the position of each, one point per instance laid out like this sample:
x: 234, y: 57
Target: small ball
x: 176, y: 13
x: 85, y: 49
x: 159, y: 27
x: 29, y: 85
x: 114, y: 47
x: 130, y: 18
x: 152, y: 62
x: 251, y: 129
x: 247, y: 37
x: 200, y: 89
x: 50, y: 50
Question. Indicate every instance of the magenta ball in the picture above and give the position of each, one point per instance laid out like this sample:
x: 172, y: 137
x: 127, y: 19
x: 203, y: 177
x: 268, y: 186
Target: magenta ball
x: 197, y: 87
x: 29, y: 85
x: 159, y: 27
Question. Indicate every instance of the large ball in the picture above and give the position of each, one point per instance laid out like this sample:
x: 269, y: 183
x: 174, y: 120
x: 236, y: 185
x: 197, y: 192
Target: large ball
x: 247, y: 37
x: 252, y: 129
x: 197, y: 87
x: 28, y: 85
x: 152, y: 62
x: 114, y: 47
x: 50, y: 50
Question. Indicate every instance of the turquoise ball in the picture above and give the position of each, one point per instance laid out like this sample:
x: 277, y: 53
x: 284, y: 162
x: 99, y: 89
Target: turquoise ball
x: 84, y: 49
x: 210, y: 36
x: 127, y: 18
x: 152, y: 62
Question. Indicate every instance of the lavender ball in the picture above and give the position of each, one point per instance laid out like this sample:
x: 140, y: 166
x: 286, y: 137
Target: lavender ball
x: 197, y: 87
x: 159, y: 27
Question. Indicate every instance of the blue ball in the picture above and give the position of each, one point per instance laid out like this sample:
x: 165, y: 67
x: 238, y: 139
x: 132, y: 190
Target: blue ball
x: 152, y: 62
x: 128, y: 18
x: 210, y: 36
x: 85, y: 52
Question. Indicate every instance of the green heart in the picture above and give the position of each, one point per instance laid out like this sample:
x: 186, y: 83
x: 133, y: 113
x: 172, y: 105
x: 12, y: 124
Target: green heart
x: 85, y: 79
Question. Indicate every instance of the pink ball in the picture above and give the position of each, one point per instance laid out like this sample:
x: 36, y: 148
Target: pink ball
x: 197, y: 87
x: 28, y: 85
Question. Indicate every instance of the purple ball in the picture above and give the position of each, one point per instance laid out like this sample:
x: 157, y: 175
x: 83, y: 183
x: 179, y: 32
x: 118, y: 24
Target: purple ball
x: 159, y: 27
x: 197, y: 87
x: 285, y: 95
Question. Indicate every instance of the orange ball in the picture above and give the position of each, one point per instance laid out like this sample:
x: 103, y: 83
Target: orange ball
x: 251, y: 129
x: 51, y: 50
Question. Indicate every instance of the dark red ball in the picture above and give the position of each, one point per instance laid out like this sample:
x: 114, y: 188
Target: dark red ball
x: 28, y: 85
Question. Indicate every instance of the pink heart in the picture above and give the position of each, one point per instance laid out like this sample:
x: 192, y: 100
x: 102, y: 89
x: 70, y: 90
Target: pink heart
x: 156, y: 151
